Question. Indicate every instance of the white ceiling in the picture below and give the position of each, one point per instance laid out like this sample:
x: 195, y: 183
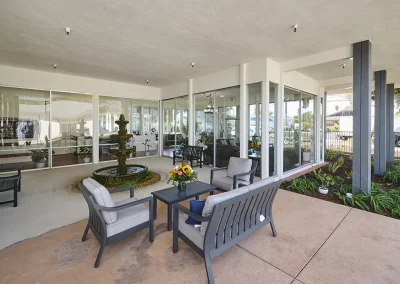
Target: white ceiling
x: 157, y: 40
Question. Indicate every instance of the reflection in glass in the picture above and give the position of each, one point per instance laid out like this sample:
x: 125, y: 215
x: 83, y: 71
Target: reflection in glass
x: 298, y: 135
x: 24, y: 127
x: 273, y: 126
x: 110, y: 108
x: 175, y: 115
x: 255, y: 118
x: 71, y: 128
x: 225, y: 106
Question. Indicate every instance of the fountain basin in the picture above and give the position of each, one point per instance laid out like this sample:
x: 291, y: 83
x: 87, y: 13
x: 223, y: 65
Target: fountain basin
x: 109, y: 175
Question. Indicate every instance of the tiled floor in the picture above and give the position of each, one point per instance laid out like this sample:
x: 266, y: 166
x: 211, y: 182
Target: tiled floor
x: 317, y: 242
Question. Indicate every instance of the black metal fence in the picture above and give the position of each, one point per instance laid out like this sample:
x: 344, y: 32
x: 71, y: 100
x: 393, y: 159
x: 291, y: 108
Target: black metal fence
x: 343, y: 141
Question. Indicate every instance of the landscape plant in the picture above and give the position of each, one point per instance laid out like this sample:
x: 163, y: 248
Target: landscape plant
x: 303, y: 185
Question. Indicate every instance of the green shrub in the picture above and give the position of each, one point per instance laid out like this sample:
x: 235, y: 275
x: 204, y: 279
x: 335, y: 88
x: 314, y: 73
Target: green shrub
x: 333, y: 167
x: 392, y: 176
x: 303, y: 185
x: 380, y: 200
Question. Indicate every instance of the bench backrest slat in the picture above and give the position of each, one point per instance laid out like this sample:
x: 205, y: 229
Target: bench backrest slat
x: 235, y: 219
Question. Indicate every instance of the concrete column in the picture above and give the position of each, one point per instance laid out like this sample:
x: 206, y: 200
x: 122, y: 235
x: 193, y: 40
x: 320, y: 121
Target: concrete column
x: 279, y: 125
x: 380, y: 123
x: 243, y: 113
x: 191, y: 119
x: 390, y: 124
x: 324, y: 126
x: 362, y: 77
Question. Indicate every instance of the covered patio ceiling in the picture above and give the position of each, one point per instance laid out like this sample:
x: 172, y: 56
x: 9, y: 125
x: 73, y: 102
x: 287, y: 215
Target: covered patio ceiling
x: 135, y: 41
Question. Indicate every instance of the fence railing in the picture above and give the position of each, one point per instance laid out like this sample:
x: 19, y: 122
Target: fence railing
x: 343, y: 141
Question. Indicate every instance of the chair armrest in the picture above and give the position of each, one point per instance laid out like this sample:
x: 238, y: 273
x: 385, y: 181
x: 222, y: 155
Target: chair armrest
x: 195, y: 216
x: 215, y: 170
x: 219, y: 169
x: 235, y: 177
x: 130, y: 187
x: 126, y: 205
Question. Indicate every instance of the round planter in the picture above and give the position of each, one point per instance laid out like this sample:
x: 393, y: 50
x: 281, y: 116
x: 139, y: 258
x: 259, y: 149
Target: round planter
x: 86, y: 160
x: 349, y: 195
x: 306, y: 156
x: 40, y: 165
x: 147, y: 153
x: 323, y: 190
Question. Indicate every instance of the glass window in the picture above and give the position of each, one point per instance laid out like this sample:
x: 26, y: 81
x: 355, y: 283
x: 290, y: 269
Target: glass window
x: 255, y: 118
x: 24, y: 128
x: 146, y: 142
x: 273, y: 126
x: 71, y: 128
x: 176, y: 126
x: 298, y: 138
x: 110, y: 108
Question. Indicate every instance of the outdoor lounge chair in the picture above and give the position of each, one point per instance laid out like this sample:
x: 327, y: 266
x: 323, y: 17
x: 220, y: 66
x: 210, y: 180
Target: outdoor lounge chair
x: 240, y: 172
x: 11, y: 182
x: 111, y: 222
x: 227, y: 218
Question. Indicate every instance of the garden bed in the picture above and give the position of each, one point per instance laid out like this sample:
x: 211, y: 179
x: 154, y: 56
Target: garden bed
x: 337, y: 177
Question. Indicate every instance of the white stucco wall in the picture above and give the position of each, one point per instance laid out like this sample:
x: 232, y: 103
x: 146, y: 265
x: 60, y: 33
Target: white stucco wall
x: 35, y: 79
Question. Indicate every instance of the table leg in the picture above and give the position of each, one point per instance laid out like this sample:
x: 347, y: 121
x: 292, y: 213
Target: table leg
x: 154, y: 207
x: 169, y: 217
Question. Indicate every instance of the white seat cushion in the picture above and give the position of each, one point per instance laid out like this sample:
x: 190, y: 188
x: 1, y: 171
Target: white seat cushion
x: 227, y: 182
x: 128, y: 218
x: 212, y: 200
x: 239, y: 166
x: 102, y: 197
x: 190, y: 231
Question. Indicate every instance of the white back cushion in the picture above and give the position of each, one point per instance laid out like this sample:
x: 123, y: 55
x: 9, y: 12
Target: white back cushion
x: 102, y: 197
x: 239, y: 166
x: 212, y: 200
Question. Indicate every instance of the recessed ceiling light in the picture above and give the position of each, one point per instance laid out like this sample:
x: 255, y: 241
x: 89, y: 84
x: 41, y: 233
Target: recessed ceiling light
x: 295, y: 26
x: 68, y: 30
x: 147, y: 81
x: 55, y: 66
x: 351, y: 58
x: 192, y: 64
x: 348, y: 88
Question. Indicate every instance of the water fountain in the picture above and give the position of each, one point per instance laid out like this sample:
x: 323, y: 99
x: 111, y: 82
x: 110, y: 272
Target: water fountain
x: 122, y: 172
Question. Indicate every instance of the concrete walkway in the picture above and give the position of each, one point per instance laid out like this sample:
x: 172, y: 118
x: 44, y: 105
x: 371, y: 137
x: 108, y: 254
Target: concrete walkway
x: 318, y: 242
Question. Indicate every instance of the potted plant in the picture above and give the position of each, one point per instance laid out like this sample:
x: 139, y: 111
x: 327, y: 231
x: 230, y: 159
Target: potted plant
x: 147, y: 147
x: 306, y: 154
x: 181, y: 174
x: 326, y: 181
x: 39, y: 157
x: 85, y: 153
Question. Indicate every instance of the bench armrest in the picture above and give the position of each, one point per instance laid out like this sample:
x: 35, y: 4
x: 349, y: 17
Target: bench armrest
x: 127, y: 205
x: 235, y: 177
x: 195, y: 216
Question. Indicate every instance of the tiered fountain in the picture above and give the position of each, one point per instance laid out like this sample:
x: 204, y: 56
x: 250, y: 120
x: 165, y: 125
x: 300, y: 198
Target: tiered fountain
x: 122, y: 172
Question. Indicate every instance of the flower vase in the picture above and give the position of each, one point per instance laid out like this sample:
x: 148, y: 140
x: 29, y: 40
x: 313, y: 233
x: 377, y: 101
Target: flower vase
x: 182, y: 185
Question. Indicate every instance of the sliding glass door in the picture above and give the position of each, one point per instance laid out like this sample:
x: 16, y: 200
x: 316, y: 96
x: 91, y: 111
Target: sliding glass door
x: 175, y: 124
x: 217, y: 127
x: 299, y: 129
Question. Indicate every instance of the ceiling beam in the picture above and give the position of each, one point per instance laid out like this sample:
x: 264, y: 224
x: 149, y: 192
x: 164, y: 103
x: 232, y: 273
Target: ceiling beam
x: 318, y: 58
x: 336, y: 81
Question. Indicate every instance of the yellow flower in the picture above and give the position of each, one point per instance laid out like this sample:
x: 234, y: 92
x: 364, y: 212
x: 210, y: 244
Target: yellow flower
x: 187, y: 169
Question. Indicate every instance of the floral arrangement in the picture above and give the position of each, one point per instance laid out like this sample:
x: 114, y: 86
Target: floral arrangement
x: 182, y: 173
x: 255, y: 145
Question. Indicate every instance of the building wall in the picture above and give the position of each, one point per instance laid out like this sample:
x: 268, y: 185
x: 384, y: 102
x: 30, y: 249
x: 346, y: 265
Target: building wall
x: 300, y: 82
x: 35, y: 79
x: 175, y: 90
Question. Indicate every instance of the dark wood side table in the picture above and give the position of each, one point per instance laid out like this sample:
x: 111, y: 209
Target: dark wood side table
x: 173, y: 195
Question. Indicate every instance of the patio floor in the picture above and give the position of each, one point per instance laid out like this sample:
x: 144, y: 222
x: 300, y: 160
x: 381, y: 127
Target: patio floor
x: 318, y: 242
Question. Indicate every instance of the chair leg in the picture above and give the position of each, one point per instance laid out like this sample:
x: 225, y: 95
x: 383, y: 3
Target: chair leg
x: 97, y: 263
x: 209, y: 271
x: 273, y: 229
x: 15, y: 197
x: 85, y: 233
